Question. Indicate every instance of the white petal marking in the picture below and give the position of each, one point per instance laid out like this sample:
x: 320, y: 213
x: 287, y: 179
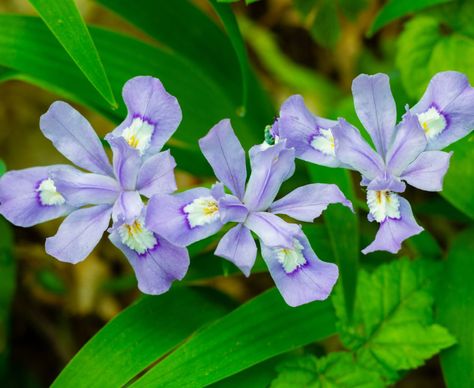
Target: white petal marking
x: 48, y: 194
x: 291, y: 259
x: 432, y: 122
x: 137, y: 237
x: 383, y: 204
x: 139, y: 134
x: 324, y: 142
x: 202, y: 211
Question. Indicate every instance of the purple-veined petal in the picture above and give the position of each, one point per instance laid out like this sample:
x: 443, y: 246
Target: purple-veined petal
x: 298, y: 273
x: 375, y: 107
x: 158, y: 267
x: 80, y: 188
x: 270, y: 168
x: 271, y: 229
x: 408, y: 143
x: 386, y: 182
x: 167, y: 216
x: 20, y: 196
x: 428, y: 170
x: 127, y: 162
x: 226, y: 156
x: 445, y: 110
x: 309, y: 135
x: 231, y: 209
x: 238, y: 246
x: 153, y: 114
x: 79, y: 233
x: 392, y: 231
x: 308, y: 202
x: 127, y: 207
x: 156, y: 175
x: 353, y: 150
x: 74, y: 137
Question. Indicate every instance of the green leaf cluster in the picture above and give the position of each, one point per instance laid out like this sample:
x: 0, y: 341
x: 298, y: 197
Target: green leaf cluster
x: 391, y: 331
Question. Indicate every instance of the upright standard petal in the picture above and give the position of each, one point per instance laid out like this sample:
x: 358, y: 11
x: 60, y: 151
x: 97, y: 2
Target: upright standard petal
x: 156, y: 175
x: 74, y: 137
x: 270, y: 168
x: 375, y: 107
x: 428, y: 170
x: 80, y: 188
x: 156, y: 268
x: 271, y: 229
x: 298, y: 273
x: 445, y: 111
x: 408, y: 144
x: 393, y: 231
x: 226, y: 156
x: 309, y: 135
x: 127, y: 162
x: 29, y: 197
x: 79, y: 233
x: 308, y: 202
x: 127, y: 207
x: 153, y: 114
x: 238, y: 246
x: 184, y: 218
x: 354, y: 151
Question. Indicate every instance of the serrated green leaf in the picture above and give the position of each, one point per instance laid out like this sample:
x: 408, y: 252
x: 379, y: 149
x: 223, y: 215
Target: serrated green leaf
x: 455, y: 304
x: 395, y: 9
x: 392, y: 328
x: 141, y: 335
x: 256, y: 331
x: 457, y: 185
x: 343, y: 230
x: 325, y: 28
x: 64, y: 20
x: 337, y: 370
x: 424, y: 50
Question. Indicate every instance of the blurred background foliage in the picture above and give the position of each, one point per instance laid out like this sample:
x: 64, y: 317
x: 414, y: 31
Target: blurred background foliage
x: 48, y: 310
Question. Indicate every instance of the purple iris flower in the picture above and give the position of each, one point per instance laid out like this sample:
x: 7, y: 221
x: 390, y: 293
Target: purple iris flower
x: 109, y: 191
x: 407, y: 152
x: 195, y: 214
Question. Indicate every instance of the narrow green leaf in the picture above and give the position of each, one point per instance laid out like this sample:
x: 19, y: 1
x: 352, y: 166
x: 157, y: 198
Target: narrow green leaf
x: 343, y: 229
x: 456, y: 311
x: 64, y: 20
x: 326, y: 28
x: 338, y: 369
x: 255, y: 332
x: 3, y: 167
x: 230, y: 23
x: 392, y: 328
x: 457, y: 186
x: 395, y: 9
x: 140, y: 336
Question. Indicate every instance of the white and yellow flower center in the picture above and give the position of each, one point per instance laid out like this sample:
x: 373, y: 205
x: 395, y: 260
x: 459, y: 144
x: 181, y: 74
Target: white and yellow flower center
x: 291, y: 259
x: 139, y: 134
x: 48, y: 194
x: 383, y: 204
x: 324, y: 142
x: 137, y: 237
x: 202, y: 211
x: 432, y: 122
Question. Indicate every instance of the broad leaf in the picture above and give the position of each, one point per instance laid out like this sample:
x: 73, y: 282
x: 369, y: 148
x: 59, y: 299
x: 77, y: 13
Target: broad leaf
x: 457, y: 187
x: 343, y: 230
x: 140, y: 336
x: 64, y: 20
x: 393, y: 327
x: 256, y: 331
x: 335, y: 370
x: 456, y: 311
x: 395, y: 9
